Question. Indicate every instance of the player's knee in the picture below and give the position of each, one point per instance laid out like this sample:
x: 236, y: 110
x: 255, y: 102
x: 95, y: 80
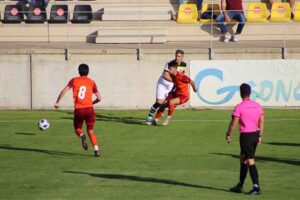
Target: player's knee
x: 159, y: 101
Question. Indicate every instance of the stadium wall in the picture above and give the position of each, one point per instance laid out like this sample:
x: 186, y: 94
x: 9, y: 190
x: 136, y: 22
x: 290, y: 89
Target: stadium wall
x: 33, y: 80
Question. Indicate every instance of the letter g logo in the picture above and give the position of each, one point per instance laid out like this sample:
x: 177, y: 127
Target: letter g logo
x: 230, y: 90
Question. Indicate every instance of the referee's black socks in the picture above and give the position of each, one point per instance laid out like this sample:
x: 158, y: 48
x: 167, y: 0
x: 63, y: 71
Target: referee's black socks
x: 243, y: 173
x: 254, y: 175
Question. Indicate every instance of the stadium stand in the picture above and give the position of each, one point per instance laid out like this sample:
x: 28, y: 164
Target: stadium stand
x: 135, y: 21
x: 187, y: 14
x: 36, y: 14
x: 212, y: 10
x: 257, y: 12
x: 13, y: 14
x: 59, y: 14
x: 280, y: 12
x: 297, y: 12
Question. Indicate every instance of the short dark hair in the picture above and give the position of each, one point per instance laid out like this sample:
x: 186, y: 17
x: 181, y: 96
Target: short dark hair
x: 245, y: 90
x: 173, y: 63
x: 179, y: 51
x: 83, y: 69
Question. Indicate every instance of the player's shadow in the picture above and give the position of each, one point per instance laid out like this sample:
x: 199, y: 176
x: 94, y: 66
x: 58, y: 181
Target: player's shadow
x: 283, y: 144
x: 125, y: 120
x: 23, y: 133
x: 145, y: 179
x: 51, y: 152
x: 265, y: 158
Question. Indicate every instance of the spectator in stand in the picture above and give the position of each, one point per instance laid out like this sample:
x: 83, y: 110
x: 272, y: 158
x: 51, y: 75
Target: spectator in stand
x: 33, y: 2
x: 231, y: 9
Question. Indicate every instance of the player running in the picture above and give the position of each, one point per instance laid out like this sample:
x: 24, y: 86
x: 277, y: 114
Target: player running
x: 165, y: 84
x: 180, y: 96
x: 83, y: 90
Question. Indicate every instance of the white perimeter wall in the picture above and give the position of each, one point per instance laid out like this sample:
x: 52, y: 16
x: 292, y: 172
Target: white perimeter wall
x: 124, y: 82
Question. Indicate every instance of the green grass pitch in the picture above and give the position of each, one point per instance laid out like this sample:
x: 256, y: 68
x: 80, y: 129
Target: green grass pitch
x: 189, y: 159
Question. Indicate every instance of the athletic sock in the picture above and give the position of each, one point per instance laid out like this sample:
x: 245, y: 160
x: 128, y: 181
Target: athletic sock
x: 153, y: 109
x: 254, y: 176
x: 171, y: 110
x: 79, y: 132
x: 93, y: 139
x: 160, y: 111
x: 96, y: 148
x: 243, y: 173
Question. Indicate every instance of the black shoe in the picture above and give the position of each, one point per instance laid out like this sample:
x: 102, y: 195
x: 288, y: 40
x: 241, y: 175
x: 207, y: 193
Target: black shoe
x: 84, y: 143
x: 255, y: 191
x: 238, y: 188
x: 97, y: 153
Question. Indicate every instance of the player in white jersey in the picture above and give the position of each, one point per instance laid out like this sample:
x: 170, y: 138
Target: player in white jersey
x: 165, y: 84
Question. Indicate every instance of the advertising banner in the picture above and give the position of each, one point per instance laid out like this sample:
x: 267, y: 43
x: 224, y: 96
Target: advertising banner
x: 274, y: 82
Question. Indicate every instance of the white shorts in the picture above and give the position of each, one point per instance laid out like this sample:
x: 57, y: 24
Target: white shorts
x: 163, y: 88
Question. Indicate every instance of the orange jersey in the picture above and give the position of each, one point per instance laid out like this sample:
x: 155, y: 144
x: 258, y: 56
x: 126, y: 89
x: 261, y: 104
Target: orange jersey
x: 83, y: 89
x: 181, y: 83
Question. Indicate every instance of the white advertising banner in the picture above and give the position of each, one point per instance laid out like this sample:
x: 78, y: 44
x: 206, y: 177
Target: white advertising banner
x: 273, y: 82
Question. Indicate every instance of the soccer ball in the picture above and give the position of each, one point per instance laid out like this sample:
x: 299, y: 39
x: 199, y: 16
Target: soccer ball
x: 43, y: 124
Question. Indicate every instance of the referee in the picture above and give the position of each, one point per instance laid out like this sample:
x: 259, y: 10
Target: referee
x: 250, y: 117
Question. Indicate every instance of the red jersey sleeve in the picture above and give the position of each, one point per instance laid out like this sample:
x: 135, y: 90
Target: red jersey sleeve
x: 185, y: 79
x: 71, y: 83
x: 95, y: 89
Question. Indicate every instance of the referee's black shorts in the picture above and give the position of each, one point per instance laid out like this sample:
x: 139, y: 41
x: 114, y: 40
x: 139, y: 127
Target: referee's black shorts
x: 248, y: 143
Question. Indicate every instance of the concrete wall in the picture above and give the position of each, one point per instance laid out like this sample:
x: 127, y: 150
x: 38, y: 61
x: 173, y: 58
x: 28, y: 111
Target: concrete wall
x: 124, y: 82
x: 15, y: 82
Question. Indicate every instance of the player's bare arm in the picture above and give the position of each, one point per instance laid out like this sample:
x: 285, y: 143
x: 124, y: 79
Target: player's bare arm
x: 167, y: 76
x: 261, y: 128
x: 194, y: 86
x: 98, y: 98
x: 233, y: 123
x: 61, y: 95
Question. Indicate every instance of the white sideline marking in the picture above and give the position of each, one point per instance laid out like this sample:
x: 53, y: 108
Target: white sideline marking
x: 175, y: 120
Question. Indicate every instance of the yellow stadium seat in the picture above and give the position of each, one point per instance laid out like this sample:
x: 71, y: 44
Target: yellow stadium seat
x: 257, y: 12
x: 280, y: 12
x: 297, y: 12
x: 187, y: 14
x: 206, y: 7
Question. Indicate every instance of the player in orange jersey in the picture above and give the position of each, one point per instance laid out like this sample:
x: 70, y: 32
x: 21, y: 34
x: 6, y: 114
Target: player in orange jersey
x: 180, y: 96
x: 83, y: 90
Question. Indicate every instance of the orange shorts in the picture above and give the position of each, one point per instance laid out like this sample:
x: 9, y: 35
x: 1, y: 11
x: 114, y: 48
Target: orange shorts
x: 183, y: 99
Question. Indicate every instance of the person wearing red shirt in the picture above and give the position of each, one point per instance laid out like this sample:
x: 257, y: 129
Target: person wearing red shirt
x: 178, y: 96
x: 231, y: 9
x: 83, y: 90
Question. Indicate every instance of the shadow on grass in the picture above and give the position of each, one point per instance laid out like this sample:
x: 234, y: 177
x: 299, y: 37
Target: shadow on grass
x: 19, y: 133
x: 51, y: 152
x: 145, y: 179
x: 111, y: 118
x: 265, y: 158
x: 283, y: 144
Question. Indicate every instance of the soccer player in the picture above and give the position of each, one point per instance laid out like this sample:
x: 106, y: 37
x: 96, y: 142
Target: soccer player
x: 83, y: 90
x: 180, y: 96
x: 250, y: 117
x: 165, y: 84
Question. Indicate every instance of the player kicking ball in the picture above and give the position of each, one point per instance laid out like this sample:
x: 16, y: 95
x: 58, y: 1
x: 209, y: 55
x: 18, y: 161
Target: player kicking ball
x: 83, y: 90
x: 180, y: 96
